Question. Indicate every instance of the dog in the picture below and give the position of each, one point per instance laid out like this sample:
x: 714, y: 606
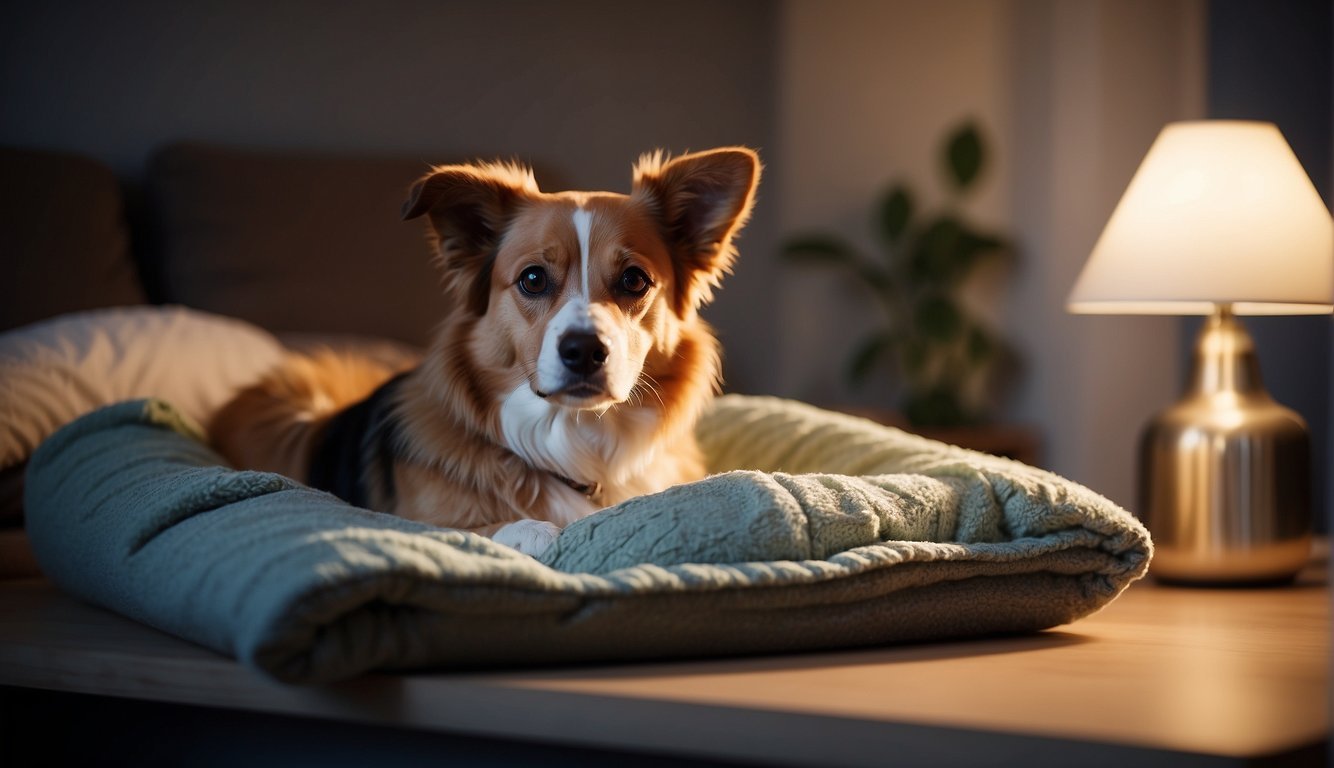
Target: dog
x: 566, y: 376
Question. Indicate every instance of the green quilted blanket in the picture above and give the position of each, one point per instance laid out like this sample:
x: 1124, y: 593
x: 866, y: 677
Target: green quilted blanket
x: 817, y: 531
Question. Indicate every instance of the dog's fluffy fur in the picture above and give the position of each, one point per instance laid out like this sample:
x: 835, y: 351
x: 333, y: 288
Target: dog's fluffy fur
x: 568, y: 372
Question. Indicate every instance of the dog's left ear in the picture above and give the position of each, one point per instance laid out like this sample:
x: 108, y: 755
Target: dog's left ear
x: 701, y: 200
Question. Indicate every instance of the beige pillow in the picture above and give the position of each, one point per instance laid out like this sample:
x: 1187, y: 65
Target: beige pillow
x: 56, y: 370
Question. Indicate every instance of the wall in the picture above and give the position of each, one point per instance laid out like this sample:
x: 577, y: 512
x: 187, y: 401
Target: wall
x: 584, y: 86
x: 1072, y: 93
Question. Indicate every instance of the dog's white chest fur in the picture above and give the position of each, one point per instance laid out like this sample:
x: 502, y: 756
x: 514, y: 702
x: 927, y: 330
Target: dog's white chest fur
x: 612, y: 449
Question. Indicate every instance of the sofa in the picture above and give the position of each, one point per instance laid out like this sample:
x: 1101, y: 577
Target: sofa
x: 308, y: 246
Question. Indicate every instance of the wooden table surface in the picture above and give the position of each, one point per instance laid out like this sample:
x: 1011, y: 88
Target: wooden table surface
x: 1161, y: 676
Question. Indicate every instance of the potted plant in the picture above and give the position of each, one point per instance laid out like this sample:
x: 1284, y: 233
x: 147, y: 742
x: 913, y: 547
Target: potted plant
x: 946, y: 357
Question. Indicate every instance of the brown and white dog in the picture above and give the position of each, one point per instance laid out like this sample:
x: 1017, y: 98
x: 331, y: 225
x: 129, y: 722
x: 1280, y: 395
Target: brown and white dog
x: 567, y: 375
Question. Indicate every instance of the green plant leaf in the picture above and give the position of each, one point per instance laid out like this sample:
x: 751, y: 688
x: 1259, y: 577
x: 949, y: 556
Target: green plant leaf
x: 948, y: 249
x: 971, y: 247
x: 980, y: 345
x: 936, y: 407
x: 965, y: 155
x: 879, y: 279
x: 916, y: 354
x: 980, y: 243
x: 937, y: 318
x: 896, y: 211
x: 934, y: 258
x: 868, y: 353
x: 819, y: 249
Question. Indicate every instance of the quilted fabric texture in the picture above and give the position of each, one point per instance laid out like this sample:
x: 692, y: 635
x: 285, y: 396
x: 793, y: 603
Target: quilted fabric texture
x: 900, y: 539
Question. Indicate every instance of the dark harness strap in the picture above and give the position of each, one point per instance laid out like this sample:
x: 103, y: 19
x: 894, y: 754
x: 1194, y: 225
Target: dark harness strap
x: 361, y: 439
x: 586, y: 489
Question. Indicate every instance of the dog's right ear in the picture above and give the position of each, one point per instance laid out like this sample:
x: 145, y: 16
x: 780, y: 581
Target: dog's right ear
x: 469, y: 207
x: 701, y: 200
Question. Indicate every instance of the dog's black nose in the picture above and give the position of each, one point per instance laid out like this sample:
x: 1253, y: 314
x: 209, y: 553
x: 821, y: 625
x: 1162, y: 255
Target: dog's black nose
x: 582, y: 353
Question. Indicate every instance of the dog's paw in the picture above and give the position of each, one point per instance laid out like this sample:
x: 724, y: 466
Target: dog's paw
x: 531, y: 537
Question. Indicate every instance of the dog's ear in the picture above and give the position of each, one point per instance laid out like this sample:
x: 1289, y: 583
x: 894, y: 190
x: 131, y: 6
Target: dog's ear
x: 701, y: 200
x: 469, y: 207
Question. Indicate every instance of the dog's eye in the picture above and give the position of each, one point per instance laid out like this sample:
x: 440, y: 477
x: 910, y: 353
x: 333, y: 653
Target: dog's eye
x: 634, y: 282
x: 533, y: 281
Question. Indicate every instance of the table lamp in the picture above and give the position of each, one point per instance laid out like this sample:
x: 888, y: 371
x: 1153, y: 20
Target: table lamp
x: 1219, y: 220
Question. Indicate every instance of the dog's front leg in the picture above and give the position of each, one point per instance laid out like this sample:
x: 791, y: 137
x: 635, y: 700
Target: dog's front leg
x: 531, y: 537
x: 425, y: 499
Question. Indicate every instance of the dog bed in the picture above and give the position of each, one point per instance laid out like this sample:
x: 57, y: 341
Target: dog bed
x: 817, y: 531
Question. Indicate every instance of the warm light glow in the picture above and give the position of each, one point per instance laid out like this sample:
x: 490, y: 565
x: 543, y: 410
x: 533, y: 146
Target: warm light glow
x: 1219, y: 212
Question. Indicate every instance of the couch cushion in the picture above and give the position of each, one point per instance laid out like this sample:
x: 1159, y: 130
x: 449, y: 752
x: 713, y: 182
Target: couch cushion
x: 63, y: 237
x: 294, y: 241
x: 54, y: 371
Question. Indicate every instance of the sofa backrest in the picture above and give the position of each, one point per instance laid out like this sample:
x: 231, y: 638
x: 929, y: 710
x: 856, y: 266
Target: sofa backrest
x: 292, y: 241
x: 295, y: 242
x: 64, y: 243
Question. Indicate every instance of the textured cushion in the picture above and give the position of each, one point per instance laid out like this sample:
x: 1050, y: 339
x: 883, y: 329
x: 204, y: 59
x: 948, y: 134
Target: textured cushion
x: 294, y: 242
x: 57, y: 370
x: 933, y: 542
x: 63, y: 238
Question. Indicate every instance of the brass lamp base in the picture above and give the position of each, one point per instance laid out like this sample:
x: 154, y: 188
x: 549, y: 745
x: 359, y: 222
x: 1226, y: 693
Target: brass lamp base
x: 1225, y: 472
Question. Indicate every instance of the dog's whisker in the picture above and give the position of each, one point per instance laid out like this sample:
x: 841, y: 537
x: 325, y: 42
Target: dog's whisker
x: 647, y: 382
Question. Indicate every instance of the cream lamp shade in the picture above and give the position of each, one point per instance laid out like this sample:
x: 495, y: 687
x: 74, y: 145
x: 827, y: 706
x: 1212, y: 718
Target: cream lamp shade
x: 1219, y: 212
